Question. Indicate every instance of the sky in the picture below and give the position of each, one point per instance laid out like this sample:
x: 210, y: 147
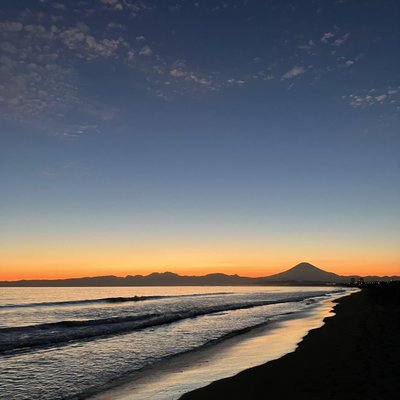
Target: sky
x: 240, y: 136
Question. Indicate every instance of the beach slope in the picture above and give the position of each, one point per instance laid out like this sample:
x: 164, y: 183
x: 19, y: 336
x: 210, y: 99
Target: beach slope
x: 355, y: 355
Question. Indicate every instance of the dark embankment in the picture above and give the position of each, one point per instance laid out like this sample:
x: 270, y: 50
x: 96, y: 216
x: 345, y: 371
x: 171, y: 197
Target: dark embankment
x: 355, y: 355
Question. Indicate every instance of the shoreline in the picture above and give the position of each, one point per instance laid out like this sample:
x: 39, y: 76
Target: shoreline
x: 354, y: 355
x: 180, y: 374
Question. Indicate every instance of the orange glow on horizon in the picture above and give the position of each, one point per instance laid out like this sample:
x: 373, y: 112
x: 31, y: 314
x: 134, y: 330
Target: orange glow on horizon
x: 61, y: 270
x: 33, y: 261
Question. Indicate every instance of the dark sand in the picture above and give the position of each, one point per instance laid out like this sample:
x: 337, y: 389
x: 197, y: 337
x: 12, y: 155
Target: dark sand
x: 354, y: 356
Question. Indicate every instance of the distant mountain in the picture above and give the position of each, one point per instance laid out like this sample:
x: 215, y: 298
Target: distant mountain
x: 154, y: 279
x: 305, y: 272
x: 172, y: 279
x: 301, y: 274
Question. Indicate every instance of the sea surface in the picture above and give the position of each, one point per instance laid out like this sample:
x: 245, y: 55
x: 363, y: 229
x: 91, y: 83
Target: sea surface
x: 73, y: 343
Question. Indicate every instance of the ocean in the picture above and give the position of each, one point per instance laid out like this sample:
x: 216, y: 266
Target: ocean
x: 125, y: 342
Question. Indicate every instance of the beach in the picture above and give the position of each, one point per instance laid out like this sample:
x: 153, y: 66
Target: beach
x: 355, y: 355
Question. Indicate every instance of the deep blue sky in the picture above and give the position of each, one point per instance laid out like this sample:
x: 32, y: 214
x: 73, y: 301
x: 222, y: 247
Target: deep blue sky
x: 239, y: 136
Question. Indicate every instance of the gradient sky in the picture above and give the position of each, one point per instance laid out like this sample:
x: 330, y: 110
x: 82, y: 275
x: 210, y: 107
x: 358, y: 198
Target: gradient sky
x: 231, y: 136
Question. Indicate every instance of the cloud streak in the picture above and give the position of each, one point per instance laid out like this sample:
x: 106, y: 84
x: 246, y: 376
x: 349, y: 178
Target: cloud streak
x: 293, y: 72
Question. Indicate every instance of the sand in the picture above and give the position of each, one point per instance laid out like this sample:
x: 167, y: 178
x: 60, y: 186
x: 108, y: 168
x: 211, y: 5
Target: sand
x: 354, y: 356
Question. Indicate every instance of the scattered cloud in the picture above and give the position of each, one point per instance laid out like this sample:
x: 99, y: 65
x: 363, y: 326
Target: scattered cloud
x: 146, y: 51
x: 35, y: 77
x: 59, y: 6
x: 114, y: 4
x: 238, y: 82
x: 338, y: 42
x: 72, y: 131
x: 131, y: 55
x: 175, y: 72
x: 308, y: 46
x: 326, y: 36
x: 41, y: 56
x: 293, y: 72
x: 133, y: 7
x: 381, y: 98
x: 373, y: 97
x: 11, y: 26
x: 33, y: 80
x: 114, y: 25
x: 179, y: 70
x: 87, y: 46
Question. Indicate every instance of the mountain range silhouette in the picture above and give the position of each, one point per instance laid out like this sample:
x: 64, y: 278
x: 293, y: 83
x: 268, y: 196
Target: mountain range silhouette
x: 300, y: 274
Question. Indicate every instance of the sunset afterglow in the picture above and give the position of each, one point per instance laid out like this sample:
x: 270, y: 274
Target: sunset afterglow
x: 197, y: 138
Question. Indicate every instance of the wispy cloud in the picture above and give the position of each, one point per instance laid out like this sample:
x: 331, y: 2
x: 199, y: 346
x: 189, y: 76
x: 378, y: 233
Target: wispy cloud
x: 348, y: 62
x: 293, y: 72
x: 87, y: 46
x: 339, y: 41
x: 146, y: 51
x: 308, y: 46
x: 326, y: 36
x: 114, y: 4
x: 133, y: 7
x: 373, y: 97
x: 11, y: 26
x: 179, y: 70
x: 114, y: 25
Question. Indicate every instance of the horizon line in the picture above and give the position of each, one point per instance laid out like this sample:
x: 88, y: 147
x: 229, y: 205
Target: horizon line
x: 184, y: 275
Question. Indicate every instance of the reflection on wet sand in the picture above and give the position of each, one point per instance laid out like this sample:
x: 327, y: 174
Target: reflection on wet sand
x: 174, y: 377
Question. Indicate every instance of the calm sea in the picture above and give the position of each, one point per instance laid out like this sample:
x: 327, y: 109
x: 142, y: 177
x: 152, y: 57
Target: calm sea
x: 71, y: 343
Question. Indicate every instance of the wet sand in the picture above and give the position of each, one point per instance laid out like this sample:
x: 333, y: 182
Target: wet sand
x: 172, y: 377
x: 354, y: 356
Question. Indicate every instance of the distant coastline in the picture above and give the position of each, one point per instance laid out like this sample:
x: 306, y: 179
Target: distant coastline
x: 301, y: 274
